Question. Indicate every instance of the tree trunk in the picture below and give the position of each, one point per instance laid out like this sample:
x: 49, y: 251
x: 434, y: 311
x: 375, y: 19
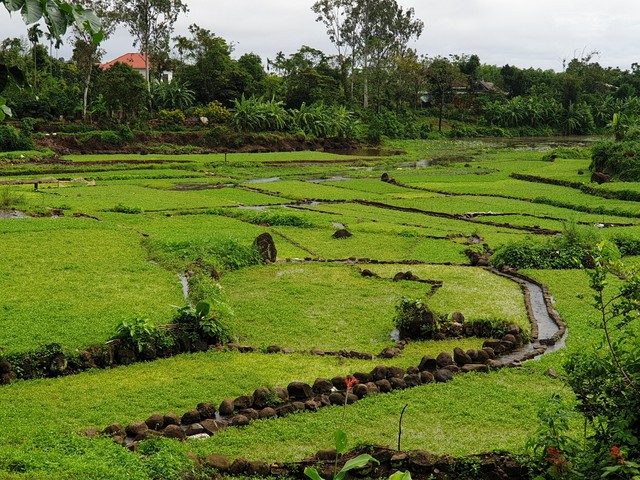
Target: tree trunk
x: 441, y: 110
x: 85, y: 95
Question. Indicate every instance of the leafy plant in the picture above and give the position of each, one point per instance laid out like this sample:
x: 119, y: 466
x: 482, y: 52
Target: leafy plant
x: 137, y: 331
x: 201, y: 321
x: 415, y: 320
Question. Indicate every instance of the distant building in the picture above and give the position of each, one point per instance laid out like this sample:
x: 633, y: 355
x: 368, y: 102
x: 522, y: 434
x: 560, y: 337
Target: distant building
x: 137, y: 62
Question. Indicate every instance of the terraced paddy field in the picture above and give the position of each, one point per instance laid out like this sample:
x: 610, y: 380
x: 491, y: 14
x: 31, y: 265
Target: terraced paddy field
x: 110, y: 238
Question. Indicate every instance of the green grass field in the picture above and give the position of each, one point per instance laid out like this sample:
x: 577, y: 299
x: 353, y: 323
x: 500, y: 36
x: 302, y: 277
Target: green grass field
x: 119, y: 245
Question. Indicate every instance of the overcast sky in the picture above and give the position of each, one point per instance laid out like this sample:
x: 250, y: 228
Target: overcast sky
x: 537, y: 34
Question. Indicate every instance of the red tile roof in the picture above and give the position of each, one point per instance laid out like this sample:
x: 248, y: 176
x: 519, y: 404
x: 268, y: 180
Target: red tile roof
x: 135, y: 60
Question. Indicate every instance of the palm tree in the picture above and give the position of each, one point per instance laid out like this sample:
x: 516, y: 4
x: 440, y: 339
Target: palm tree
x: 33, y: 34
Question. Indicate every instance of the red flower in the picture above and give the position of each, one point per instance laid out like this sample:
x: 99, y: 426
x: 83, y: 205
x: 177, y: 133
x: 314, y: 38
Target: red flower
x: 555, y: 456
x: 616, y: 456
x: 351, y: 381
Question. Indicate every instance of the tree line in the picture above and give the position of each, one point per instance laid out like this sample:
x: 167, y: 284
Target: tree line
x: 373, y: 74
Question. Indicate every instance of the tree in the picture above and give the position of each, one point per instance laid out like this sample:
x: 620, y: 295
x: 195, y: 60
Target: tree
x: 150, y: 22
x: 124, y: 90
x: 87, y: 53
x: 377, y: 30
x: 441, y: 74
x: 372, y: 32
x: 333, y: 14
x: 58, y: 16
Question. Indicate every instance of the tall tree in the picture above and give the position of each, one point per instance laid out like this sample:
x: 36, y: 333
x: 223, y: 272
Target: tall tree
x: 333, y: 14
x: 373, y: 31
x: 441, y: 75
x: 151, y: 23
x: 87, y: 53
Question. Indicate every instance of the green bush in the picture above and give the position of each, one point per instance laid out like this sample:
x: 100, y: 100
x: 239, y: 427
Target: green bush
x: 9, y: 138
x: 541, y: 255
x: 620, y: 159
x: 415, y: 320
x: 171, y: 117
x: 215, y: 112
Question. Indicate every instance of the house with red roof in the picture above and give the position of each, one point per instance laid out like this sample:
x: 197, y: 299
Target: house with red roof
x: 137, y: 62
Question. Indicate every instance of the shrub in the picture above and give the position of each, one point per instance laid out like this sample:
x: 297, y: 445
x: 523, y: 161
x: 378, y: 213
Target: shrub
x: 627, y: 244
x: 215, y: 112
x: 541, y: 255
x: 137, y: 332
x: 9, y: 138
x: 120, y: 208
x: 415, y: 320
x: 171, y: 117
x: 201, y: 322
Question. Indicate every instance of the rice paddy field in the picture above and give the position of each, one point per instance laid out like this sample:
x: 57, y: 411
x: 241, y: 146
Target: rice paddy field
x: 106, y: 238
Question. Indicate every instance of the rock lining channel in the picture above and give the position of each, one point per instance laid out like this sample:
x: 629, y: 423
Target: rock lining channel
x: 548, y: 334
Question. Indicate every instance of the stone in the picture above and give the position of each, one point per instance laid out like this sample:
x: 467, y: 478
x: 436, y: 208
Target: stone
x: 369, y: 274
x: 285, y: 409
x: 385, y: 177
x: 361, y: 390
x: 267, y: 247
x: 155, y: 422
x: 600, y: 178
x: 507, y: 346
x: 363, y: 377
x: 473, y: 355
x: 242, y: 402
x: 250, y: 413
x: 490, y: 352
x: 509, y: 338
x: 263, y: 397
x: 171, y: 419
x: 282, y: 393
x: 551, y: 373
x: 481, y: 356
x: 428, y: 363
x: 453, y: 368
x: 299, y: 391
x: 457, y: 317
x: 390, y: 352
x: 395, y: 372
x: 326, y: 455
x: 322, y: 385
x: 318, y: 352
x: 259, y: 469
x: 379, y: 373
x: 239, y: 465
x: 384, y: 385
x: 239, y: 421
x: 114, y: 430
x: 8, y: 378
x: 413, y: 371
x: 206, y: 410
x: 192, y: 416
x: 475, y: 367
x: 298, y: 406
x: 342, y: 233
x: 340, y: 383
x: 174, y: 431
x: 211, y: 426
x: 226, y: 407
x: 494, y: 344
x: 412, y: 380
x: 218, y: 461
x: 267, y: 412
x: 372, y: 388
x: 274, y: 349
x: 397, y: 383
x: 513, y: 329
x: 312, y: 405
x: 460, y: 357
x: 194, y: 429
x: 443, y: 375
x: 199, y: 436
x: 351, y: 398
x: 5, y: 367
x: 427, y: 377
x: 444, y: 359
x: 337, y: 398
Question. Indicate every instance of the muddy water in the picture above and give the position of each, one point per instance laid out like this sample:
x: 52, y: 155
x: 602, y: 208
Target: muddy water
x: 9, y: 214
